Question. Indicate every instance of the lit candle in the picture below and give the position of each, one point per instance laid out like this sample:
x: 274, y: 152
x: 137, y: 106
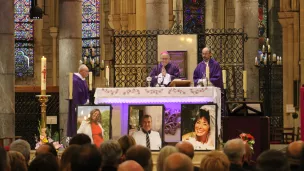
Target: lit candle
x: 256, y: 61
x: 263, y: 48
x: 90, y: 80
x: 269, y: 49
x: 224, y: 78
x: 267, y: 42
x: 280, y: 60
x: 70, y: 85
x: 107, y: 73
x: 43, y: 75
x: 245, y: 83
x: 207, y: 72
x: 274, y: 57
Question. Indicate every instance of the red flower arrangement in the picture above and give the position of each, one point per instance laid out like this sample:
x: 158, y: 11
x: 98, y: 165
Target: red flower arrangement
x: 248, y: 138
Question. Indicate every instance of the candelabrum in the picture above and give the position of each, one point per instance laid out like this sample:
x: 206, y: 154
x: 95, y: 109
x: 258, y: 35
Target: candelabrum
x: 266, y: 62
x: 92, y: 61
x: 43, y: 99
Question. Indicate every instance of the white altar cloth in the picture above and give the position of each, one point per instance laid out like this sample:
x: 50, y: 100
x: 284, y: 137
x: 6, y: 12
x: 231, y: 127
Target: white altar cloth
x: 160, y: 95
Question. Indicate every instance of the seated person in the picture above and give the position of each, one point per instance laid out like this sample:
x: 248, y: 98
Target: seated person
x: 146, y: 137
x: 164, y: 72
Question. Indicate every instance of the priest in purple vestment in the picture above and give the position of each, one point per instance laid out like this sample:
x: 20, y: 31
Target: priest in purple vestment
x: 215, y: 74
x: 165, y: 72
x: 80, y: 97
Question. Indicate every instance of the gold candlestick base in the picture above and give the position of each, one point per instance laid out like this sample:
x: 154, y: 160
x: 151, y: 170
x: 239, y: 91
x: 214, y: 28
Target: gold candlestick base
x: 43, y: 99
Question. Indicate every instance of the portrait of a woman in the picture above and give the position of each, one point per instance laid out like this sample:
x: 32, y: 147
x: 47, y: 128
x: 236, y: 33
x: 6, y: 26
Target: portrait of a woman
x: 202, y: 137
x: 92, y: 127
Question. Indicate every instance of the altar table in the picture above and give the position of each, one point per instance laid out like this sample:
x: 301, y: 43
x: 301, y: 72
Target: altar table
x: 120, y: 98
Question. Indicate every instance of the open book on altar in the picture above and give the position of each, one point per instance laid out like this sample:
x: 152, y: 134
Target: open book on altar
x: 180, y: 83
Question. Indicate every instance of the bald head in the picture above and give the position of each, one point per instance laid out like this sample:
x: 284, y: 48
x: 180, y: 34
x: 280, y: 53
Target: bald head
x: 294, y: 151
x: 130, y: 165
x: 186, y: 148
x: 178, y: 162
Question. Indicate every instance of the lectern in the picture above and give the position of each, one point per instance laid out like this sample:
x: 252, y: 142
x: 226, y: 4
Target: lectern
x: 180, y: 83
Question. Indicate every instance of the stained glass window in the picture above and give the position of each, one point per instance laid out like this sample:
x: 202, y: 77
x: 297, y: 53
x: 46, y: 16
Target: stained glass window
x: 262, y: 22
x: 24, y: 39
x: 91, y: 29
x: 194, y: 16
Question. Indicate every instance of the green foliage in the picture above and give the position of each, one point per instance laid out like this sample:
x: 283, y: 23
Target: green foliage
x: 105, y: 117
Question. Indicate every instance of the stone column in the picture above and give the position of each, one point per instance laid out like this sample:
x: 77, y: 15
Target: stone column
x: 54, y: 33
x: 69, y: 51
x: 157, y: 14
x: 302, y: 43
x: 140, y: 15
x: 7, y: 69
x: 246, y: 17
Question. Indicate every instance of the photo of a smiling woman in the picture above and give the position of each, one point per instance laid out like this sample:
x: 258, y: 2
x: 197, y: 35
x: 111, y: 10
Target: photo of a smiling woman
x: 202, y: 136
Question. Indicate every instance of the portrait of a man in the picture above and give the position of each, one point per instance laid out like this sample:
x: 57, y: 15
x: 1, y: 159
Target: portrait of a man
x: 146, y: 128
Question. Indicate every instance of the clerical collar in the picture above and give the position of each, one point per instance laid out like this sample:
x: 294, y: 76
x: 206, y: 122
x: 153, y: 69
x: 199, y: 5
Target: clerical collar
x: 79, y: 76
x: 149, y: 132
x: 206, y: 62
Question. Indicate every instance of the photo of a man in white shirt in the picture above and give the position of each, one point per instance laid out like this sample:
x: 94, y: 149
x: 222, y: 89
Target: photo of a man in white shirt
x: 145, y: 136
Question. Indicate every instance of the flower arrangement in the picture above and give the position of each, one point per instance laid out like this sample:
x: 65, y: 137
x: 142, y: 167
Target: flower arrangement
x: 248, y: 138
x: 47, y: 137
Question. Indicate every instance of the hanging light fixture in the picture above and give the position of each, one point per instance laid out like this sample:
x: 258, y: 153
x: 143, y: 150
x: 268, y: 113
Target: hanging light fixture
x: 35, y: 11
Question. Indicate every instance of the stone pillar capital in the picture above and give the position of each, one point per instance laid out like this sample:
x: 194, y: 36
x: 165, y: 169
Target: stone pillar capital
x: 53, y: 32
x: 114, y: 21
x: 124, y: 21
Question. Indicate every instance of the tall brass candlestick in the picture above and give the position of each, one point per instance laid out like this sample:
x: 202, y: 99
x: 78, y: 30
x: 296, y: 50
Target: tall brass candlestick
x: 43, y: 99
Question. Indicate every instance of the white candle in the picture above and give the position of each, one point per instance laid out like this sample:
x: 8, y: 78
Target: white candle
x: 274, y: 57
x: 90, y: 80
x: 70, y: 85
x: 107, y: 73
x: 280, y: 60
x: 224, y: 78
x: 267, y: 42
x: 263, y: 49
x: 256, y: 61
x: 43, y: 73
x: 207, y: 71
x: 265, y: 60
x: 261, y: 57
x: 245, y: 83
x: 269, y: 49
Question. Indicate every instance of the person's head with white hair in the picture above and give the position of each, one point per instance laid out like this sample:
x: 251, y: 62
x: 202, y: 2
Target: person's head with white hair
x: 165, y: 58
x: 235, y: 151
x: 83, y: 70
x: 23, y: 147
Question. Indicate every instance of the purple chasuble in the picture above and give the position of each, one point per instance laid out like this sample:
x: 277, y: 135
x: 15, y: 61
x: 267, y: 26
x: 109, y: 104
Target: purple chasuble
x: 80, y: 97
x: 215, y: 73
x: 170, y: 69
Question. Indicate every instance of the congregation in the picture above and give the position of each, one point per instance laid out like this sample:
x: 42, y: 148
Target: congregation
x: 124, y: 155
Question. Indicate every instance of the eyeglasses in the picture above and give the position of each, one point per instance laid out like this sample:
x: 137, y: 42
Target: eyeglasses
x: 164, y: 59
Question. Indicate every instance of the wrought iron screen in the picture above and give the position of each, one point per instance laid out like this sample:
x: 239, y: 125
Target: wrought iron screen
x: 28, y: 111
x: 135, y: 53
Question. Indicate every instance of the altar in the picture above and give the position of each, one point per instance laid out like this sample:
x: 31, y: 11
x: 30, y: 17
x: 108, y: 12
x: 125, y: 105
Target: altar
x: 170, y: 97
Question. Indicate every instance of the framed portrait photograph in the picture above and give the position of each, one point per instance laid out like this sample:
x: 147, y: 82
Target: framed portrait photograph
x: 145, y: 124
x: 95, y: 121
x: 199, y: 125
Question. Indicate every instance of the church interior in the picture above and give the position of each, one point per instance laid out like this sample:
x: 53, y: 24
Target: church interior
x: 257, y: 44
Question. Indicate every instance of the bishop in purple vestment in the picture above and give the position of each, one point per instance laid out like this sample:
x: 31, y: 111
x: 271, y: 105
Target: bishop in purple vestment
x: 214, y: 68
x: 80, y: 97
x: 165, y: 72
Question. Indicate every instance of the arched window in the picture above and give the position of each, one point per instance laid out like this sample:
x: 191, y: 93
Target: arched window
x: 91, y: 33
x: 24, y: 39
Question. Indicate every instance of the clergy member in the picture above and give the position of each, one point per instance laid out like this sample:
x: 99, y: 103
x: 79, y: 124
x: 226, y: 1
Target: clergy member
x: 80, y: 97
x: 164, y: 72
x: 145, y: 136
x: 215, y: 71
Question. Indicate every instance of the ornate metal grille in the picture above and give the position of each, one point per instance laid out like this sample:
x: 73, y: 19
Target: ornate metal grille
x: 24, y: 39
x: 135, y: 53
x: 28, y: 111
